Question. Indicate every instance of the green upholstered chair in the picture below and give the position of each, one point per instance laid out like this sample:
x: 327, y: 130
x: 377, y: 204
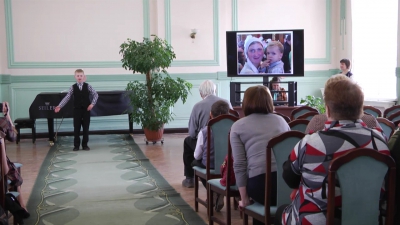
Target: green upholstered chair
x: 299, y: 125
x: 307, y: 116
x: 219, y: 127
x: 281, y: 146
x: 387, y: 126
x: 389, y: 111
x: 214, y: 186
x: 361, y: 173
x: 301, y: 110
x: 373, y: 111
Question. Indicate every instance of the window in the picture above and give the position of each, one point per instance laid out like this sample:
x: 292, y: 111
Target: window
x: 374, y: 40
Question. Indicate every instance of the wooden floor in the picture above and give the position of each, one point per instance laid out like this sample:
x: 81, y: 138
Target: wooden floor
x: 167, y: 158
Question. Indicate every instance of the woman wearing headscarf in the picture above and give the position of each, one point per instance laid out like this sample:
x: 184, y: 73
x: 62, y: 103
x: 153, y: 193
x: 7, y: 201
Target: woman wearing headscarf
x: 254, y: 52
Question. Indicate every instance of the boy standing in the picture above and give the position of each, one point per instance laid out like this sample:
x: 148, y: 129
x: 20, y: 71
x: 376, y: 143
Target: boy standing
x: 82, y: 106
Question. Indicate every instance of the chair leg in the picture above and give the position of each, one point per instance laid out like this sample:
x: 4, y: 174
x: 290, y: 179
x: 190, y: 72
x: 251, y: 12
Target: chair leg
x: 196, y: 192
x: 245, y: 219
x: 33, y: 134
x: 210, y: 208
x: 228, y: 209
x: 18, y: 134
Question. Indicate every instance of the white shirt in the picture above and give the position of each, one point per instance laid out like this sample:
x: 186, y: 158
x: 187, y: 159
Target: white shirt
x: 198, y: 151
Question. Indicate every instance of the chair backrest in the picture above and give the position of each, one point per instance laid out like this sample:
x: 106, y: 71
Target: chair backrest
x: 234, y: 113
x: 281, y: 146
x: 219, y: 127
x: 300, y: 111
x: 299, y: 125
x: 394, y: 116
x: 361, y: 173
x: 373, y: 111
x: 387, y: 126
x: 308, y: 115
x: 287, y: 119
x: 389, y: 111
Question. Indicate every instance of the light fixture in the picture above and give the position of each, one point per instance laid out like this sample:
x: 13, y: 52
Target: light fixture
x: 193, y: 34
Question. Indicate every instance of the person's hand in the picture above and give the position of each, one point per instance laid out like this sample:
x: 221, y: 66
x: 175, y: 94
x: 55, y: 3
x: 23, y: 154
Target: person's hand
x: 245, y: 202
x: 265, y: 63
x: 89, y: 107
x: 57, y: 109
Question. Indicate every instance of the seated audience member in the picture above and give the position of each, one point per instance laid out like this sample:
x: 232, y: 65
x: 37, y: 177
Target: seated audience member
x: 198, y: 119
x: 344, y: 107
x: 275, y: 86
x: 249, y: 139
x: 200, y: 153
x: 394, y: 147
x: 318, y: 121
x: 8, y: 132
x: 345, y: 68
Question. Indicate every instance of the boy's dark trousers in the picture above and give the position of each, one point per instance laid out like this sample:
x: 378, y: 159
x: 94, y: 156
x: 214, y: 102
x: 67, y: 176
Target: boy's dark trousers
x: 81, y: 118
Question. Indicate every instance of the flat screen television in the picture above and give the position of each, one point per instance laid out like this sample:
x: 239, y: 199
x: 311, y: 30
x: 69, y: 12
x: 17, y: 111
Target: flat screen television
x: 259, y: 53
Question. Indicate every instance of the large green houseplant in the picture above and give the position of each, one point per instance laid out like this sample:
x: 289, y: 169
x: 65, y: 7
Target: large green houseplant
x: 152, y: 100
x: 315, y: 102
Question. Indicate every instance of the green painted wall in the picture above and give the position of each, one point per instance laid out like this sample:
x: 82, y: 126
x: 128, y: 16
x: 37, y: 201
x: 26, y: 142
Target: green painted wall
x: 21, y: 91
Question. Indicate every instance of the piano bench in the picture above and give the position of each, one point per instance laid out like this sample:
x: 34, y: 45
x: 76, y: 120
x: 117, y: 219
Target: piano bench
x: 21, y: 123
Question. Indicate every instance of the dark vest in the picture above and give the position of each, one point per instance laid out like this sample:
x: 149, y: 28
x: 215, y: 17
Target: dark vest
x: 81, y: 97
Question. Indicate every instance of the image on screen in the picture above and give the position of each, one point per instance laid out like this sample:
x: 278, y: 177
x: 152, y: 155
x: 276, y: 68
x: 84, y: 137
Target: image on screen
x: 265, y: 53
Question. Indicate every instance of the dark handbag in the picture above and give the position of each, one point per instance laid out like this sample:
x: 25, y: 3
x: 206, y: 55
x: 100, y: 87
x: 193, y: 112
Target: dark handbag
x: 224, y: 172
x: 13, y: 175
x: 13, y: 205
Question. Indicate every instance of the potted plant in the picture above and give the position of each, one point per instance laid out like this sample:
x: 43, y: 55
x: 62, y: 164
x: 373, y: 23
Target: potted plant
x: 315, y: 102
x: 151, y: 100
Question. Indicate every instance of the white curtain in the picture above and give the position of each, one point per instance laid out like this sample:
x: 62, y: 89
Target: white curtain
x: 374, y: 41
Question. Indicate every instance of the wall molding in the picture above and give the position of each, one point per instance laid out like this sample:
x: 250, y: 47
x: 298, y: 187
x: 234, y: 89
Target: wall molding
x: 220, y: 75
x: 328, y: 30
x: 12, y: 64
x: 212, y: 62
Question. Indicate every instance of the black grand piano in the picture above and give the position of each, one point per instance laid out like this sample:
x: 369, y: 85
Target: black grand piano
x: 109, y: 103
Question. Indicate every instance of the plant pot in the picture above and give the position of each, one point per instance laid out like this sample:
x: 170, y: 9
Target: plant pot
x: 154, y: 135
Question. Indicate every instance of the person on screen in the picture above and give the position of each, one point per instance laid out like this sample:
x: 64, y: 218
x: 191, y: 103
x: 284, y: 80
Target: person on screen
x: 274, y: 52
x: 241, y: 60
x: 253, y: 51
x: 287, y: 48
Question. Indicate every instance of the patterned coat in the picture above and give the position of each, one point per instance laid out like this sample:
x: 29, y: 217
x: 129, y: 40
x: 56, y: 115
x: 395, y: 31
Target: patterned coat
x: 308, y: 163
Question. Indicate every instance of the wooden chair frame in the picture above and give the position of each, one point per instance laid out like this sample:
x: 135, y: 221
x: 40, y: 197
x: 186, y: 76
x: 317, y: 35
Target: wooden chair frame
x: 387, y: 123
x: 349, y: 156
x: 306, y: 115
x: 208, y: 175
x: 393, y: 116
x: 234, y: 113
x: 390, y: 109
x: 293, y: 115
x: 227, y: 192
x: 373, y: 109
x: 267, y: 218
x: 296, y: 122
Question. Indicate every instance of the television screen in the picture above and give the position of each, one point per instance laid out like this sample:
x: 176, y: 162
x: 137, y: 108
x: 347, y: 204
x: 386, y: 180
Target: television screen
x: 265, y: 53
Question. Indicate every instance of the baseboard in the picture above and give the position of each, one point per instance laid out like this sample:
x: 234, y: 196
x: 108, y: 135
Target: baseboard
x: 135, y: 131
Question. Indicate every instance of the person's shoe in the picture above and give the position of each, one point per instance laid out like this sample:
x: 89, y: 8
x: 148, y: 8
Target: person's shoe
x: 188, y: 182
x: 86, y: 148
x: 218, y: 202
x: 76, y: 149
